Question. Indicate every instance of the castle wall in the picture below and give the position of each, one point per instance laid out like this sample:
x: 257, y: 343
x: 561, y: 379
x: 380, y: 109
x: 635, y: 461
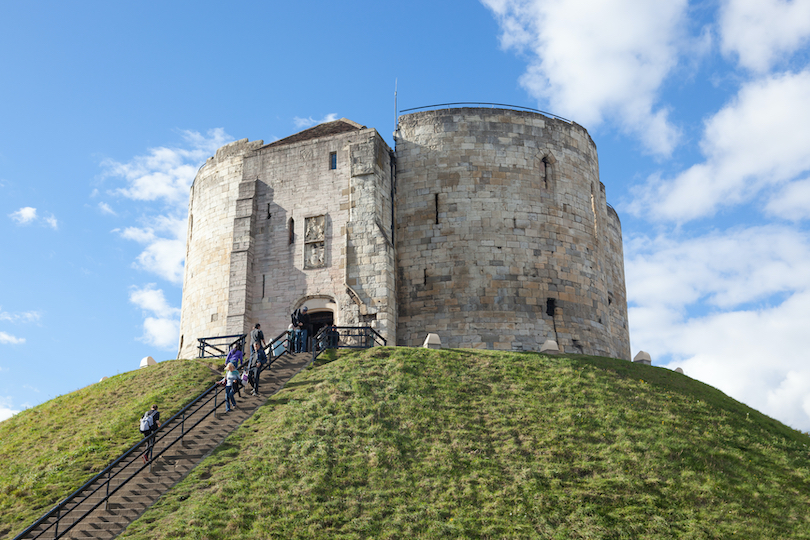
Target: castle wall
x: 494, y: 232
x: 209, y: 242
x: 503, y: 234
x: 338, y: 257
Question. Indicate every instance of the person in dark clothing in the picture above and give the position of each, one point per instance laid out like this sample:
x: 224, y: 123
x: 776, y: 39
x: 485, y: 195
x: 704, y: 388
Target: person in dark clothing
x: 258, y: 359
x: 332, y: 337
x: 303, y: 326
x: 257, y: 336
x: 234, y: 357
x: 150, y: 430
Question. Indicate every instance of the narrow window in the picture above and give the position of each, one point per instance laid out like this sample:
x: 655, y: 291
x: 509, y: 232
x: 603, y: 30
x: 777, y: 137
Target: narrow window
x: 263, y: 282
x: 546, y: 172
x: 333, y: 160
x: 551, y: 305
x: 291, y: 226
x: 268, y: 211
x: 437, y: 208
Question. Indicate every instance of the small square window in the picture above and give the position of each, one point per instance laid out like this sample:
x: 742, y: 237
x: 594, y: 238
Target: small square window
x: 333, y: 160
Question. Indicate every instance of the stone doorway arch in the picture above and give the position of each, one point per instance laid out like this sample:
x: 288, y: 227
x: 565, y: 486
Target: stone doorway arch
x: 322, y: 309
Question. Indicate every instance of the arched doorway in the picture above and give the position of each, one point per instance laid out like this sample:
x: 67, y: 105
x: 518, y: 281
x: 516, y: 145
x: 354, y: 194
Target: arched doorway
x: 320, y: 319
x: 321, y: 310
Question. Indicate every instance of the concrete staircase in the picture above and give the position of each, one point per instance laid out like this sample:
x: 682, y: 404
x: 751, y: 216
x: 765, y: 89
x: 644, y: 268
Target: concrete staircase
x: 133, y: 498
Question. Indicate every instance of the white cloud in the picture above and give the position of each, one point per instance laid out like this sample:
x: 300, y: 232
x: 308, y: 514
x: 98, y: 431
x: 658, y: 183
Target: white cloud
x: 163, y: 329
x: 722, y: 269
x: 165, y: 239
x: 161, y: 332
x: 106, y: 209
x: 761, y: 32
x: 28, y: 215
x: 24, y: 215
x: 792, y: 202
x: 151, y: 299
x: 166, y: 173
x: 9, y: 339
x: 596, y: 60
x: 757, y: 141
x: 51, y: 221
x: 26, y: 316
x: 731, y: 308
x: 302, y: 123
x: 6, y: 411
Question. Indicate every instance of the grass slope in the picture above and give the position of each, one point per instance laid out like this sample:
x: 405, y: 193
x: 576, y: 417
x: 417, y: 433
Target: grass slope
x: 50, y: 450
x: 398, y: 443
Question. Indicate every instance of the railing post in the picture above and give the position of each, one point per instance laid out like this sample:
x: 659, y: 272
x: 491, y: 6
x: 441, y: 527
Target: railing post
x: 107, y: 495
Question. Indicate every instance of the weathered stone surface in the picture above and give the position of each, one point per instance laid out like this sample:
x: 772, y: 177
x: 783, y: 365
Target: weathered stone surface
x: 432, y: 341
x: 643, y: 358
x: 489, y: 227
x: 504, y: 237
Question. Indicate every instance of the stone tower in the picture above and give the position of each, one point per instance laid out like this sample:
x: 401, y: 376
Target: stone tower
x: 504, y: 237
x: 488, y: 226
x: 305, y: 220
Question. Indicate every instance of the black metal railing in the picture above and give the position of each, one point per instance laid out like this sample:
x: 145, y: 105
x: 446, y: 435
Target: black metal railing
x: 492, y: 105
x: 61, y: 512
x: 280, y: 345
x: 346, y: 337
x: 220, y: 346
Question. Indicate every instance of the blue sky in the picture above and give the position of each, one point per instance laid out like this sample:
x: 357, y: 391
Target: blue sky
x: 699, y: 111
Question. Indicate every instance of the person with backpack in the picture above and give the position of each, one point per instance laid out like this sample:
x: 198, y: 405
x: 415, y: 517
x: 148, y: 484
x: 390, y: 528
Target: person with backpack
x: 149, y: 424
x: 257, y: 336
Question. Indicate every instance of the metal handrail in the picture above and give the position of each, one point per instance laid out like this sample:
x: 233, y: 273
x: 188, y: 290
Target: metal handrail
x: 280, y: 343
x: 107, y: 470
x: 204, y: 343
x: 520, y: 107
x: 346, y: 337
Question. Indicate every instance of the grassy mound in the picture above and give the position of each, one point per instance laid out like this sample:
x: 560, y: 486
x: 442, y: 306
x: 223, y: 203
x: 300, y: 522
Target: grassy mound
x: 50, y: 450
x: 411, y: 443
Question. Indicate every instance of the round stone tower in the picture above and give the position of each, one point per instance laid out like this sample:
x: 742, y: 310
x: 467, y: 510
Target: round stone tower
x: 504, y: 238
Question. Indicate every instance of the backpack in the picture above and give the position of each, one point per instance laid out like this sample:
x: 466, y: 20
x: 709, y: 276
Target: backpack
x: 147, y: 422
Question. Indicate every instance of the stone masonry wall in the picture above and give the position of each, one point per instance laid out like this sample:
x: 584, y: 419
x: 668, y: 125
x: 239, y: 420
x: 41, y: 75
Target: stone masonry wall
x: 212, y: 210
x: 295, y: 184
x: 503, y: 234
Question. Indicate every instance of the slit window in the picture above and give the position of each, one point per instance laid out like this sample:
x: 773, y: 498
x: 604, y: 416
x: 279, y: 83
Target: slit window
x: 551, y: 305
x: 333, y: 160
x: 545, y: 172
x: 291, y: 227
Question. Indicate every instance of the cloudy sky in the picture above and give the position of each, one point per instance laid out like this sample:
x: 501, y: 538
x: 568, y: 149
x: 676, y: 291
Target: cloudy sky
x: 699, y: 110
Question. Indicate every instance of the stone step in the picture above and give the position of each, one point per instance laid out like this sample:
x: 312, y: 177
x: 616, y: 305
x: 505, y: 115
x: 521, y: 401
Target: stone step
x: 134, y: 497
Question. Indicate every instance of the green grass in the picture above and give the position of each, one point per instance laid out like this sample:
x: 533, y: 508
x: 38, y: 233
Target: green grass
x: 412, y: 443
x: 50, y: 450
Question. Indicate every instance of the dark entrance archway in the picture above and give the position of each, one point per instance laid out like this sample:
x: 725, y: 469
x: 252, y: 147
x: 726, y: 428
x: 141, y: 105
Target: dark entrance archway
x: 319, y: 319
